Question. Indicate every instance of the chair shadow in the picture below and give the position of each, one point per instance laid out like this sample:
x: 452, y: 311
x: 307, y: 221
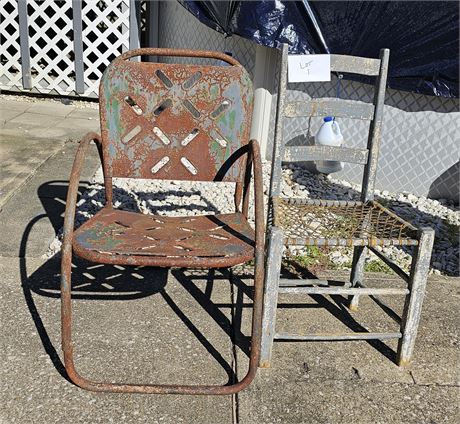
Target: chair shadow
x: 337, y: 306
x: 92, y: 281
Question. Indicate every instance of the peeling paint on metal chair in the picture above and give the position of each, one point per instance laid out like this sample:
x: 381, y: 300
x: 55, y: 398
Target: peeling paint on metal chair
x: 174, y: 122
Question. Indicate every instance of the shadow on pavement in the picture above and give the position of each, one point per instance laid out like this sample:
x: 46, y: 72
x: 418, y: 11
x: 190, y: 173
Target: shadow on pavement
x: 91, y: 281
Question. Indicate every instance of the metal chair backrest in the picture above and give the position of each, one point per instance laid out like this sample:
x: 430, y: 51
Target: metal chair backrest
x: 175, y: 121
x: 339, y: 108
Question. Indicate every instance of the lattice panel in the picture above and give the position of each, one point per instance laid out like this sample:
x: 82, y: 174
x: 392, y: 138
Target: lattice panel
x: 105, y: 36
x: 51, y: 46
x: 50, y: 25
x: 10, y: 52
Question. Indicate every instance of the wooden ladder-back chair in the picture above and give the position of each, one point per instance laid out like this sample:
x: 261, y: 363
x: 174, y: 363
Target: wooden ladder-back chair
x: 174, y: 122
x: 363, y: 224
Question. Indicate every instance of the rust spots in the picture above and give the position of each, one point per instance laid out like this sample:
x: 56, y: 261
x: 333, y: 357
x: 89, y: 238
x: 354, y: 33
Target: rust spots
x: 171, y: 121
x: 114, y: 232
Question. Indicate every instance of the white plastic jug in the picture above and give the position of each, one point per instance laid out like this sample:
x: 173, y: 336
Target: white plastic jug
x: 329, y: 135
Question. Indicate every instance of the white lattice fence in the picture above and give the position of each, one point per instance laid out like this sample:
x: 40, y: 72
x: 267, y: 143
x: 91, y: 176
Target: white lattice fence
x: 106, y: 31
x: 62, y: 47
x: 10, y: 50
x: 51, y: 46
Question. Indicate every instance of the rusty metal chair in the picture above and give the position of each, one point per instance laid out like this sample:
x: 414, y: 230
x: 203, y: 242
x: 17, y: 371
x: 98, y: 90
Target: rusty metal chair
x: 362, y: 225
x: 170, y: 121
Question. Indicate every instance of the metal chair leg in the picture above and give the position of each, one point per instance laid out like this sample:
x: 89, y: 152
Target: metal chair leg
x: 67, y: 346
x: 357, y: 274
x: 272, y: 276
x: 413, y: 305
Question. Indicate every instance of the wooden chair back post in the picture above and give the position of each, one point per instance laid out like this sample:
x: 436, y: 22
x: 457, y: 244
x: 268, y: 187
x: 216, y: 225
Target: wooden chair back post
x: 334, y: 107
x: 278, y: 147
x: 375, y: 130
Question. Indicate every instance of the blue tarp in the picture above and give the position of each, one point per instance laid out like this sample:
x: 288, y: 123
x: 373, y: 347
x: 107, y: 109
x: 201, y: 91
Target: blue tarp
x: 423, y: 36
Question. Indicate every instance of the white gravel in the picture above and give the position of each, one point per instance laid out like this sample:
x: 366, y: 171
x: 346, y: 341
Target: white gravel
x: 185, y: 198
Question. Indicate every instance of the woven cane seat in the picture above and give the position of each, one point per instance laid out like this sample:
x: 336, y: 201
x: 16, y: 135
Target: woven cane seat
x: 340, y: 223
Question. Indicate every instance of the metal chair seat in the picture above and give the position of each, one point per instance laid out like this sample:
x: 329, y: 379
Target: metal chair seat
x: 119, y: 237
x: 308, y: 222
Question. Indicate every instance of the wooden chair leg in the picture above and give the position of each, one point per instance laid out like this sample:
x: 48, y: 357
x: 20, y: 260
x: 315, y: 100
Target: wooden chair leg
x: 414, y: 300
x: 357, y: 274
x: 272, y: 276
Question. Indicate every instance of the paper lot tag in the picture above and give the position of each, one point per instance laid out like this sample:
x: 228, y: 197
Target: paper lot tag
x: 309, y: 67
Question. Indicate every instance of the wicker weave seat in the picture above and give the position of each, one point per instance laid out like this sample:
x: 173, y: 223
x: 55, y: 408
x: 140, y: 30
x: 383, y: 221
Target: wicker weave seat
x: 308, y: 222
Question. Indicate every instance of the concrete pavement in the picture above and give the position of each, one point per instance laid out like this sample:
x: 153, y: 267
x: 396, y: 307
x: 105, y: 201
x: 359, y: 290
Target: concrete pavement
x: 145, y: 325
x: 33, y: 130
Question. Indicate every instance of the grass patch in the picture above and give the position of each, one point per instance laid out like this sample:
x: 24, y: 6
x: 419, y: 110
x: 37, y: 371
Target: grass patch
x: 384, y: 202
x: 313, y: 256
x: 317, y: 259
x: 377, y: 266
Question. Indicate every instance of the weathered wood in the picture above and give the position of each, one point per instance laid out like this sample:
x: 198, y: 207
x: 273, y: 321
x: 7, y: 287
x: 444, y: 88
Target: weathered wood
x: 272, y: 275
x: 330, y: 107
x: 375, y: 130
x: 287, y: 282
x: 413, y: 305
x: 344, y: 336
x: 344, y: 290
x: 134, y: 30
x: 310, y: 153
x: 348, y: 242
x: 78, y: 47
x: 355, y: 65
x: 278, y: 142
x: 368, y: 157
x: 24, y: 44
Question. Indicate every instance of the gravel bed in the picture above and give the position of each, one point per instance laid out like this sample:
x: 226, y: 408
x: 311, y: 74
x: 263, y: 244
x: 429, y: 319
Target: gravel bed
x: 185, y: 198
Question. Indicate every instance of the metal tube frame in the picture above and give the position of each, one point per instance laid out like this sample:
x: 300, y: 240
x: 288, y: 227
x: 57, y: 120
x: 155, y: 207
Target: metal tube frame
x: 66, y: 306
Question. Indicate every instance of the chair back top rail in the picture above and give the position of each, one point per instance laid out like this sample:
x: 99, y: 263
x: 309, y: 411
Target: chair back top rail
x: 355, y: 65
x: 330, y: 107
x: 203, y: 54
x: 334, y: 153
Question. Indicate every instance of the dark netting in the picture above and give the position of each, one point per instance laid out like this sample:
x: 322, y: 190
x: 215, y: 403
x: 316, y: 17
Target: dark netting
x: 423, y: 36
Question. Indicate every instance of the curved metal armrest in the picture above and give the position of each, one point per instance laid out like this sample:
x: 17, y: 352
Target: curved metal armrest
x: 72, y: 192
